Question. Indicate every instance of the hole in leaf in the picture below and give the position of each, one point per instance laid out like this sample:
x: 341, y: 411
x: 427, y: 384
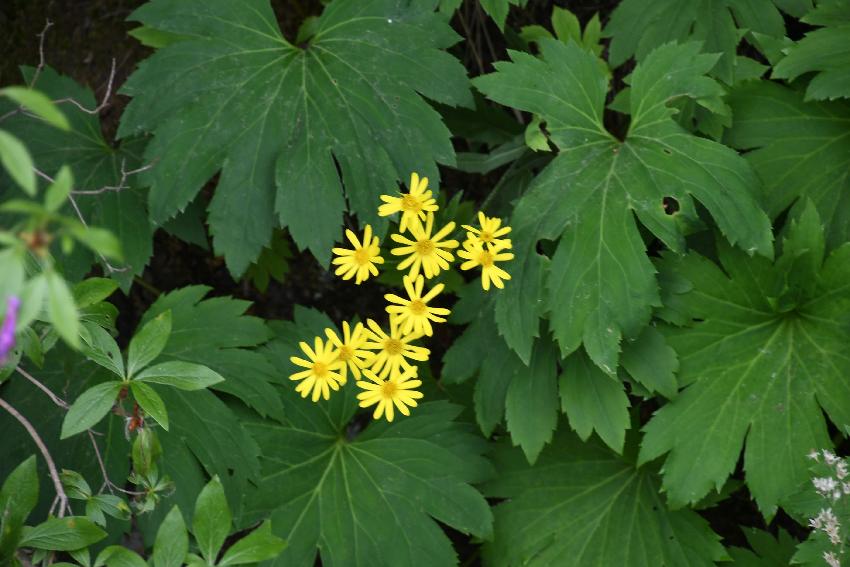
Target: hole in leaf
x: 671, y: 205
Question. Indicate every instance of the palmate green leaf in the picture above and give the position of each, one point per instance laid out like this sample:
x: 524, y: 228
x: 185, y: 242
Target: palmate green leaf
x: 581, y: 504
x: 799, y: 149
x: 365, y: 495
x: 601, y: 286
x: 278, y: 118
x: 636, y: 28
x: 825, y: 51
x: 95, y: 164
x: 210, y: 340
x: 760, y: 361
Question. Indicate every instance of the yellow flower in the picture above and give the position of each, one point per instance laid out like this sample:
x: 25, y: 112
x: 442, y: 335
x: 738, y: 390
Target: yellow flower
x: 393, y: 349
x: 412, y: 205
x: 413, y: 313
x: 426, y: 251
x: 361, y: 260
x: 489, y: 232
x: 477, y: 254
x: 321, y: 370
x: 399, y: 391
x: 350, y: 349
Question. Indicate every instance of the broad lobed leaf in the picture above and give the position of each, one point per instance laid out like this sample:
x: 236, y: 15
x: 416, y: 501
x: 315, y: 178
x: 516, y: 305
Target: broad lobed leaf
x: 582, y: 503
x: 601, y: 285
x: 365, y: 496
x: 760, y: 358
x: 276, y: 118
x: 801, y: 150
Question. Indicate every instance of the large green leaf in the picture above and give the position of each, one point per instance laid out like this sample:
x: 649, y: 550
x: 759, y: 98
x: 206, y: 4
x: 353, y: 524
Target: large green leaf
x: 365, y: 496
x: 95, y: 164
x: 799, y: 149
x: 825, y: 51
x: 637, y: 27
x: 277, y: 118
x: 217, y: 334
x: 601, y: 284
x: 765, y: 348
x: 581, y: 504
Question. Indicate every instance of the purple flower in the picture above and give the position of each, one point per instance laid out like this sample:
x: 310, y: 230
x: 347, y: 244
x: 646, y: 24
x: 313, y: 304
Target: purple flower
x: 7, y: 331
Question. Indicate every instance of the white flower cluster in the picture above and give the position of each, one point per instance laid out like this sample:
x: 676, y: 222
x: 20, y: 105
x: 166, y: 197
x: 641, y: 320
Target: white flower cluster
x: 831, y: 488
x: 828, y: 524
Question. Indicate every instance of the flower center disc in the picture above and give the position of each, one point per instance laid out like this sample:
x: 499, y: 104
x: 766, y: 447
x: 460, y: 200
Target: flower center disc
x: 425, y: 247
x: 486, y: 258
x: 388, y: 389
x: 345, y: 352
x: 410, y: 203
x: 486, y: 236
x: 417, y: 307
x: 320, y: 369
x: 361, y: 256
x: 393, y: 346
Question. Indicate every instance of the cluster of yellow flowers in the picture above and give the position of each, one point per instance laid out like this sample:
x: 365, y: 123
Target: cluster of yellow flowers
x: 369, y: 351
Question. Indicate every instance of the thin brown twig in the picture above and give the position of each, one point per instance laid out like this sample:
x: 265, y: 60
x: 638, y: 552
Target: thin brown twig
x: 103, y: 103
x: 471, y: 44
x: 51, y: 466
x: 110, y: 268
x: 38, y: 69
x: 107, y: 482
x: 122, y: 183
x: 91, y: 433
x: 41, y: 36
x: 56, y: 399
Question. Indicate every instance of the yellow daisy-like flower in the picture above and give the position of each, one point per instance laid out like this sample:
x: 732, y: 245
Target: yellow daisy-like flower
x: 413, y: 205
x: 427, y: 252
x: 477, y: 254
x: 321, y: 375
x: 393, y: 349
x: 398, y: 392
x: 350, y: 349
x: 413, y: 313
x: 361, y: 260
x: 490, y: 232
